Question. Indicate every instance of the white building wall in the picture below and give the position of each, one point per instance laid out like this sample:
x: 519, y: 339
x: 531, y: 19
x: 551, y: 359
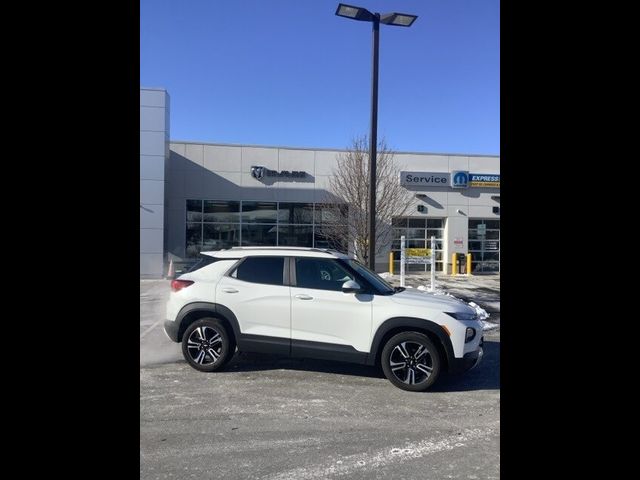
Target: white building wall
x: 223, y: 172
x: 154, y: 136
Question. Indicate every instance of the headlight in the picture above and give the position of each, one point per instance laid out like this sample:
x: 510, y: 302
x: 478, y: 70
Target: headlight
x: 463, y: 316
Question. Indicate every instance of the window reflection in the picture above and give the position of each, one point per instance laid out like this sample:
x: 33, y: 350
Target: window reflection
x: 293, y: 213
x: 218, y: 236
x: 295, y: 235
x: 484, y: 245
x: 215, y: 211
x: 259, y: 235
x: 259, y: 212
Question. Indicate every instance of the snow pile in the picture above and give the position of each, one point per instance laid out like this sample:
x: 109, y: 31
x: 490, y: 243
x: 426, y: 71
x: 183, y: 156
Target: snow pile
x: 482, y: 313
x: 488, y: 325
x: 385, y: 275
x: 437, y: 291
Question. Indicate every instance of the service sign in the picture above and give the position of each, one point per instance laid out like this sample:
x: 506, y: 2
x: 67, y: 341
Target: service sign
x: 424, y: 179
x: 484, y: 180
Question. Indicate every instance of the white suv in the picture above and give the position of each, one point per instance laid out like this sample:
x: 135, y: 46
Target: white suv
x: 315, y: 303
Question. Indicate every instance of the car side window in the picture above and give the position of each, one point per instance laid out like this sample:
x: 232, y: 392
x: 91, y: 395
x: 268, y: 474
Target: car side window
x: 268, y: 270
x: 320, y: 274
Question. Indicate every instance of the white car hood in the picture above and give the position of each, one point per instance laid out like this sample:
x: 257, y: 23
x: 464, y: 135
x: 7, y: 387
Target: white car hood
x: 425, y: 299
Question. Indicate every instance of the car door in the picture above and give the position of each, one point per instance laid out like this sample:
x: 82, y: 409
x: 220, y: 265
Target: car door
x: 257, y: 294
x: 323, y: 318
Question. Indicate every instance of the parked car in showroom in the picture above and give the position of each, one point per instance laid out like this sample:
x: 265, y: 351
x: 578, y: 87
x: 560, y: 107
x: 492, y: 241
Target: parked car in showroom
x: 322, y: 304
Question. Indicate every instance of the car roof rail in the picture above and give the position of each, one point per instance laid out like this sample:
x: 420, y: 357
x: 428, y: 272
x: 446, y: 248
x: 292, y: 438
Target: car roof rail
x: 303, y: 249
x: 330, y: 251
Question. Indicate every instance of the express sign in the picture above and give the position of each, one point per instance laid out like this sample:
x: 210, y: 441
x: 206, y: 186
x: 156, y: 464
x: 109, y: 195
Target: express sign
x: 484, y: 180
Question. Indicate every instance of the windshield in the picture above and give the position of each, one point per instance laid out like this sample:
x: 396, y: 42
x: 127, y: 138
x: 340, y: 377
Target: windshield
x: 372, y: 277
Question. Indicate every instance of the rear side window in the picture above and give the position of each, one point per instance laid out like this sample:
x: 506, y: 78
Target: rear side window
x: 269, y: 270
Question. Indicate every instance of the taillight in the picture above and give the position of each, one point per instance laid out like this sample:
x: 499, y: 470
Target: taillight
x: 177, y: 285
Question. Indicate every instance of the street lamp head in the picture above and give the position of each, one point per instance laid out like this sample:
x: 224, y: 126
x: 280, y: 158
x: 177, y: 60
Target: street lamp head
x: 398, y: 19
x: 354, y: 13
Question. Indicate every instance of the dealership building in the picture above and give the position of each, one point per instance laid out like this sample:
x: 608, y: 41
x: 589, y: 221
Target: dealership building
x: 197, y: 196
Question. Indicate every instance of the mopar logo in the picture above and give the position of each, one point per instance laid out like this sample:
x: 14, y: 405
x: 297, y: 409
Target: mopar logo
x: 460, y: 179
x: 257, y: 172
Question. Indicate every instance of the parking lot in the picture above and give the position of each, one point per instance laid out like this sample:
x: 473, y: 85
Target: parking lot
x: 278, y: 418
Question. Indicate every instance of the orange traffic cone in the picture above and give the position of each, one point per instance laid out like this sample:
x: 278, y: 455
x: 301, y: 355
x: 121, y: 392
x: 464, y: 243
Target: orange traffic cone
x: 171, y: 273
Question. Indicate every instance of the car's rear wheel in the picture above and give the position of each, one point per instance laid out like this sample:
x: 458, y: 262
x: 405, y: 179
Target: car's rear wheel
x: 411, y: 361
x: 206, y: 345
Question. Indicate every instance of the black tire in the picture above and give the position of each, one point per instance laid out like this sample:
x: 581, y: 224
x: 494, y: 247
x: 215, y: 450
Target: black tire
x: 425, y: 367
x: 214, y: 352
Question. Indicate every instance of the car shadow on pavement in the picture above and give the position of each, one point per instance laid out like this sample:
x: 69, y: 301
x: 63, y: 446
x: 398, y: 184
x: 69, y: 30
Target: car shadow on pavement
x: 486, y: 376
x: 253, y: 362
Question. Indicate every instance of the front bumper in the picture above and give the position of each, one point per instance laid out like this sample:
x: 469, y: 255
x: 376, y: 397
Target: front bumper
x: 171, y: 329
x: 469, y: 361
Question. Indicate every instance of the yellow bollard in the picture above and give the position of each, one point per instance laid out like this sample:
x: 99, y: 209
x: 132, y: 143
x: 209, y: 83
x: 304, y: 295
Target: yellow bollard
x: 468, y: 264
x: 454, y: 264
x: 391, y: 263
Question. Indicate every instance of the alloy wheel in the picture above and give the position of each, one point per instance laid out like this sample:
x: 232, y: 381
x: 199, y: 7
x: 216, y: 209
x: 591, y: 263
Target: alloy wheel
x: 204, y: 345
x: 411, y: 362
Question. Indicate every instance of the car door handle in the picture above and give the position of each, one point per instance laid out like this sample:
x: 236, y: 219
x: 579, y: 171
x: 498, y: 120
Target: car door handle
x: 230, y: 290
x: 302, y: 296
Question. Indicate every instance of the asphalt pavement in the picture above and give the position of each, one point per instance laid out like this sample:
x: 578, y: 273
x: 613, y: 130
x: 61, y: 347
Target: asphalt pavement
x: 271, y: 417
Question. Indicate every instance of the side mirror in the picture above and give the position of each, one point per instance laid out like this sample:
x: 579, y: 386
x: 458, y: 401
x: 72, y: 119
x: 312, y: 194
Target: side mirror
x: 351, y: 287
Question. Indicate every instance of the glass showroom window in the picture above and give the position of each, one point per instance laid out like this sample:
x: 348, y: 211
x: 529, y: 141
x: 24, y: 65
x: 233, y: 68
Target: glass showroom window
x: 330, y: 229
x: 259, y: 224
x: 218, y: 224
x: 484, y: 245
x: 295, y: 224
x: 211, y: 225
x: 417, y: 232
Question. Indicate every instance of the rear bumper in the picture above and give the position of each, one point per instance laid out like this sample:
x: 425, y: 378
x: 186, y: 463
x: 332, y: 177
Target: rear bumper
x: 468, y: 361
x: 171, y: 329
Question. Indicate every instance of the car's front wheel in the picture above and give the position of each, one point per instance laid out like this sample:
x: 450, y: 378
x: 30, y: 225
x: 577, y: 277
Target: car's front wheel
x: 206, y: 345
x: 411, y: 361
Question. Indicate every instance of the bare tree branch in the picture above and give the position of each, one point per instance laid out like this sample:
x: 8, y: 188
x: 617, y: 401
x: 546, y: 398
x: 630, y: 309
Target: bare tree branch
x: 350, y: 183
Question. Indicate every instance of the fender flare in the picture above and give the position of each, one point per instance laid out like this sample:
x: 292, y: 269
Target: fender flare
x: 215, y: 309
x: 410, y: 322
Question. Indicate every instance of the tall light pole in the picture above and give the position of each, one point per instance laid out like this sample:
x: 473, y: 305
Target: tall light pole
x: 399, y: 20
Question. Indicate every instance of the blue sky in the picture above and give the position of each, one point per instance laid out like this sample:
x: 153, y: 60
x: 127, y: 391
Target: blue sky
x: 292, y: 73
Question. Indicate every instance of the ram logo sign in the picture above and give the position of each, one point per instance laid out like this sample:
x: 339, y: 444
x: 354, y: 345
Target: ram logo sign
x: 259, y: 172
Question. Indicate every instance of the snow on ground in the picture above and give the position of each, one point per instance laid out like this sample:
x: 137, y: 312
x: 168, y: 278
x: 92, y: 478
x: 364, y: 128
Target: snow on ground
x: 488, y: 325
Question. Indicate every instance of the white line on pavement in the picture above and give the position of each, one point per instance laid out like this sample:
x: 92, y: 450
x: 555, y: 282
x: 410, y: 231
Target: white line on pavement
x: 149, y: 329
